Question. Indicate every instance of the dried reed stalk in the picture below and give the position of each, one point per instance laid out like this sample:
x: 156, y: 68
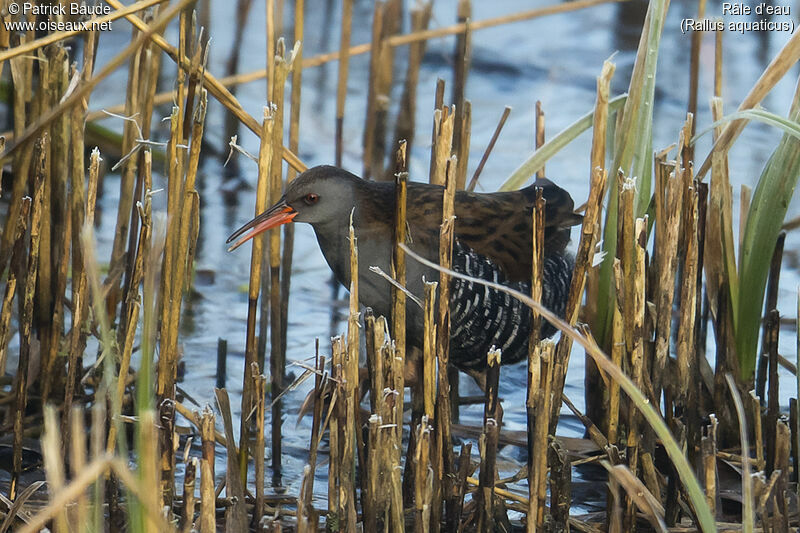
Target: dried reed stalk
x: 335, y: 515
x: 423, y: 493
x: 350, y: 401
x: 235, y: 512
x: 241, y: 14
x: 178, y: 258
x: 443, y: 408
x: 635, y: 297
x: 590, y: 233
x: 668, y: 206
x: 128, y: 174
x: 375, y: 86
x: 282, y: 67
x: 320, y: 382
x: 488, y: 445
x: 55, y: 246
x: 260, y: 391
x: 265, y: 158
x: 406, y: 116
x: 78, y: 448
x: 341, y: 85
x: 443, y: 142
x: 396, y: 383
x: 189, y: 502
x: 694, y: 69
x: 20, y: 391
x: 207, y: 521
x: 17, y: 269
x: 304, y: 512
x: 398, y: 256
x: 20, y: 77
x: 539, y: 133
x: 534, y: 356
x: 461, y: 60
x: 294, y: 144
x: 217, y: 87
x: 54, y: 464
x: 709, y: 450
x: 543, y: 357
x: 80, y: 209
x: 211, y: 83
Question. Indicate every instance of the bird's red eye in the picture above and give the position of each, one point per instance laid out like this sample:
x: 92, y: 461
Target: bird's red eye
x: 311, y: 198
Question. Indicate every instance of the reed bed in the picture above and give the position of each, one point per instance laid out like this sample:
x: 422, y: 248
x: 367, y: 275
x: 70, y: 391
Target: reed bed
x: 664, y: 425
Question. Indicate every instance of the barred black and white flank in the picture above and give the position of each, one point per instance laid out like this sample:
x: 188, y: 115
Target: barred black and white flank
x: 482, y: 317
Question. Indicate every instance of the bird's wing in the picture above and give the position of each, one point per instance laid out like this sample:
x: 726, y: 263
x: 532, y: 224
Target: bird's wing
x: 496, y: 225
x: 499, y: 225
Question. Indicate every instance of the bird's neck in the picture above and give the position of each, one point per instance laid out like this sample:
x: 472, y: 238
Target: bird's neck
x: 372, y: 216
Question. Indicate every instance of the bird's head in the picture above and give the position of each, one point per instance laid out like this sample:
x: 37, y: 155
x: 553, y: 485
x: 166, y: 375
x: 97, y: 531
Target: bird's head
x: 319, y: 196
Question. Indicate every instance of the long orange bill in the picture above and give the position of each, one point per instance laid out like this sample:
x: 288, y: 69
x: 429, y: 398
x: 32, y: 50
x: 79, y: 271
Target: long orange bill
x: 277, y: 215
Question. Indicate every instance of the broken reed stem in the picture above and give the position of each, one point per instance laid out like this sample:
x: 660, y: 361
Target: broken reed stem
x: 709, y: 451
x: 635, y: 296
x: 423, y: 493
x: 341, y: 85
x: 399, y: 299
x: 539, y: 134
x: 189, y: 502
x: 488, y: 445
x: 668, y: 206
x: 207, y: 519
x: 260, y: 391
x: 26, y: 316
x: 544, y: 352
x: 442, y: 148
x: 16, y: 269
x: 352, y: 435
x: 265, y: 157
x: 534, y: 355
x: 55, y: 253
x: 335, y: 514
x: 320, y: 382
x: 396, y: 385
x: 398, y: 255
x: 444, y: 453
x: 686, y: 333
x: 590, y: 231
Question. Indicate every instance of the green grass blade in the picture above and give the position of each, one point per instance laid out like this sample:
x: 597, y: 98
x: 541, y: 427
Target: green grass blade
x: 788, y: 126
x: 538, y: 159
x: 767, y: 210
